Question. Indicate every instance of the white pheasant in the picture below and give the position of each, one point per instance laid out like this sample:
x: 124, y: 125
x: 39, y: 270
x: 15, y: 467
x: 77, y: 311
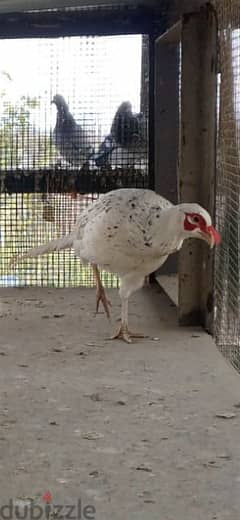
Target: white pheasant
x: 131, y: 232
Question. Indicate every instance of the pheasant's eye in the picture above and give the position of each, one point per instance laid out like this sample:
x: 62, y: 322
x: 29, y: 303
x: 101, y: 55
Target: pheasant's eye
x: 196, y: 219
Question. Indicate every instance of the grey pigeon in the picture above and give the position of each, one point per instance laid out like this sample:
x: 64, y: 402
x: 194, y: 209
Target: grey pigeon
x: 126, y: 145
x: 71, y: 139
x: 128, y: 129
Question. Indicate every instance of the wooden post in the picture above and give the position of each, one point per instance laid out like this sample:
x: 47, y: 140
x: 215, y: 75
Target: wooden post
x: 197, y: 159
x: 166, y: 124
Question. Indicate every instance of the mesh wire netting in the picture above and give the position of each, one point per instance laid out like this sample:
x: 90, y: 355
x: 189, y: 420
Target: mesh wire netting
x: 227, y: 282
x: 87, y: 138
x: 28, y: 220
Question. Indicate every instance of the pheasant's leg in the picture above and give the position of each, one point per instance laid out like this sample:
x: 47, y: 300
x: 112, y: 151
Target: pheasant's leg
x: 101, y: 295
x: 122, y: 331
x: 129, y: 285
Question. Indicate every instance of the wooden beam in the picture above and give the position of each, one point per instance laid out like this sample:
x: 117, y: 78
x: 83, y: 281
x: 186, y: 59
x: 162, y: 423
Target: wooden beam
x: 67, y: 181
x: 197, y: 159
x: 172, y: 35
x: 120, y: 19
x: 31, y: 5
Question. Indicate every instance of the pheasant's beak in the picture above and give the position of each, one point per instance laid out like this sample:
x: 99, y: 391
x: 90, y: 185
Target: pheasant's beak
x: 211, y: 236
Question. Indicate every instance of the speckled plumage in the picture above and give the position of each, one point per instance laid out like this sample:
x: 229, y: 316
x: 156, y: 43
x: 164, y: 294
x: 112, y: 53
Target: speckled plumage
x: 118, y: 231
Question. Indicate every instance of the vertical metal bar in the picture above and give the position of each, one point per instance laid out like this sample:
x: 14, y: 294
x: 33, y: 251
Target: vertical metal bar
x: 145, y: 75
x: 197, y: 159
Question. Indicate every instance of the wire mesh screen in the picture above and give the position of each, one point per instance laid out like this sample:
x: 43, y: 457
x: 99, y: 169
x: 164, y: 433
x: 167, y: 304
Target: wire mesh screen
x: 227, y: 282
x: 72, y: 126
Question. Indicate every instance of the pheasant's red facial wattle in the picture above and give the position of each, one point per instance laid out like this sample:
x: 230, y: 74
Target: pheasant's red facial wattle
x: 196, y: 222
x: 214, y: 233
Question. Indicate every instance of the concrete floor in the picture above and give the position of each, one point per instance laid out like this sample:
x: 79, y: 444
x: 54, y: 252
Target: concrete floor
x: 138, y: 432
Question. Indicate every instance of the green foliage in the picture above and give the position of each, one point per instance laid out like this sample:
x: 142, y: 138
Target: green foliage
x: 22, y: 144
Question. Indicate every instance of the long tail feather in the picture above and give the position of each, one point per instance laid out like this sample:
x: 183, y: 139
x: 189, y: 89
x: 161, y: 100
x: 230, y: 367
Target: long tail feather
x: 65, y: 242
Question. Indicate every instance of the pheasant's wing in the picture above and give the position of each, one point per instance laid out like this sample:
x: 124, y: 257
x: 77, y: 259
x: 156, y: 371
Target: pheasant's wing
x: 114, y: 231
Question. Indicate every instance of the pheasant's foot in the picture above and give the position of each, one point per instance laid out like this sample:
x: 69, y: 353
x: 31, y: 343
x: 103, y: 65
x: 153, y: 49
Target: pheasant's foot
x: 101, y: 297
x: 125, y: 334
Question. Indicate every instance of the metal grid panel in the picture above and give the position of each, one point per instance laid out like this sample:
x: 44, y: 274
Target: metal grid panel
x: 227, y: 286
x: 94, y: 75
x: 28, y: 220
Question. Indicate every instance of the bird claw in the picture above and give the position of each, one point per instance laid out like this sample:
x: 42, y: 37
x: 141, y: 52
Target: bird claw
x: 125, y: 334
x: 101, y: 297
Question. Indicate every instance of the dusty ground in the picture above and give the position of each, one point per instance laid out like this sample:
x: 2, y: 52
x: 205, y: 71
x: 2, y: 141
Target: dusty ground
x: 132, y: 430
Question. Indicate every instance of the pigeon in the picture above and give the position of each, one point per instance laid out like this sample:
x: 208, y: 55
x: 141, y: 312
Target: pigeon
x: 131, y: 232
x: 71, y: 139
x: 128, y: 129
x: 126, y: 145
x: 103, y: 155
